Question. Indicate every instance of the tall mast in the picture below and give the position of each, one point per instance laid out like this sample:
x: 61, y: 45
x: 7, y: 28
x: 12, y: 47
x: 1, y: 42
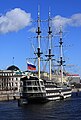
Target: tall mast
x: 61, y: 54
x: 38, y: 37
x: 50, y: 44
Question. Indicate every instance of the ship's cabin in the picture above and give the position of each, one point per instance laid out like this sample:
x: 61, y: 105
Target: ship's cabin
x: 32, y: 85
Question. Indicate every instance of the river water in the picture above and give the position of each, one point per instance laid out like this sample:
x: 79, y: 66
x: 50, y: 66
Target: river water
x: 69, y: 109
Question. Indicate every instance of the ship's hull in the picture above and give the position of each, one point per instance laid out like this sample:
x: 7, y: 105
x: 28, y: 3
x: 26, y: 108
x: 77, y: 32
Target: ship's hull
x: 58, y: 93
x: 49, y: 96
x: 40, y: 91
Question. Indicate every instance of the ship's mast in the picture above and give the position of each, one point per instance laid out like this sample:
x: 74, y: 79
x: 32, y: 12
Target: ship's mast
x: 38, y: 37
x: 61, y: 61
x: 50, y: 44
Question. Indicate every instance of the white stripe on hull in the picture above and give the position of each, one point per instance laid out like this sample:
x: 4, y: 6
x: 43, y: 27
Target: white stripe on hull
x: 49, y: 94
x: 66, y: 96
x: 57, y: 93
x: 54, y: 98
x: 66, y: 92
x: 58, y: 98
x: 53, y: 88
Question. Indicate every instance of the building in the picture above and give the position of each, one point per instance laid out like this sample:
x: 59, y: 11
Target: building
x: 73, y: 78
x: 10, y: 78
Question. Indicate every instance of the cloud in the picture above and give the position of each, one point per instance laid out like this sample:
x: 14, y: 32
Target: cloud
x: 17, y: 19
x: 33, y: 30
x: 58, y: 21
x: 14, y: 20
x: 74, y: 21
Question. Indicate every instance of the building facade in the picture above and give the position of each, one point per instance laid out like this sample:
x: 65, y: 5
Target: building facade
x: 10, y: 79
x: 73, y: 78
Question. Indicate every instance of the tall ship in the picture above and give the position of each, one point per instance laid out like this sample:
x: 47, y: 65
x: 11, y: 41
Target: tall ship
x: 35, y: 89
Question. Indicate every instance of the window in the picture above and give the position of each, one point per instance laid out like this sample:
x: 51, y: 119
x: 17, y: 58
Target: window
x: 41, y: 83
x: 34, y: 83
x: 29, y: 88
x: 12, y: 83
x: 24, y: 83
x: 43, y: 88
x: 24, y: 89
x: 5, y: 74
x: 16, y: 84
x: 29, y: 83
x: 35, y: 88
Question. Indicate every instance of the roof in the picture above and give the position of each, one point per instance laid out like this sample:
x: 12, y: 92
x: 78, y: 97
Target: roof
x: 13, y: 67
x: 72, y: 74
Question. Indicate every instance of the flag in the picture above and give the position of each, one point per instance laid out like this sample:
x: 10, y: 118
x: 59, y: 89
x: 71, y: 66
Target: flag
x: 31, y: 66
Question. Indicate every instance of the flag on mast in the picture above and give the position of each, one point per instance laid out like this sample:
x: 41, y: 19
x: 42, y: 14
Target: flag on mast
x: 31, y: 66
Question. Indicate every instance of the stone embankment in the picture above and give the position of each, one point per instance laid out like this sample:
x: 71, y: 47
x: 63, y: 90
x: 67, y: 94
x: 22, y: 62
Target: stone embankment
x: 8, y: 95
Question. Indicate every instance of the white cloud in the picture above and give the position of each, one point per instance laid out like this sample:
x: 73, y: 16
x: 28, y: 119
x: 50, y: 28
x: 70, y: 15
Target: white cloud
x: 14, y: 20
x: 74, y: 20
x: 60, y: 21
x: 17, y: 19
x: 33, y: 30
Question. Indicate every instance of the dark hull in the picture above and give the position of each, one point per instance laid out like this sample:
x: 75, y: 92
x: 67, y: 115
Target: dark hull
x: 37, y: 100
x: 66, y: 93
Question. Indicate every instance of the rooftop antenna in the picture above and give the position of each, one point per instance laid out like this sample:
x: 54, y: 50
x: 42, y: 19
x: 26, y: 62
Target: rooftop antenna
x: 13, y: 61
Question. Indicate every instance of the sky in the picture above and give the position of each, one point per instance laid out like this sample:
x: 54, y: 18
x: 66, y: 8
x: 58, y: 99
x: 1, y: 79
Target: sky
x: 16, y: 29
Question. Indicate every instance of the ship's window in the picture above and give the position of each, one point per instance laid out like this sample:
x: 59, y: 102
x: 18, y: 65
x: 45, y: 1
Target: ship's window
x: 39, y: 89
x: 29, y: 83
x: 34, y: 83
x: 35, y: 88
x: 24, y: 88
x: 43, y: 88
x: 37, y: 82
x: 29, y: 88
x: 24, y: 83
x: 41, y: 83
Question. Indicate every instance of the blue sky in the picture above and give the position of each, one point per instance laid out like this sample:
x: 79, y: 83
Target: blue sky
x: 15, y: 17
